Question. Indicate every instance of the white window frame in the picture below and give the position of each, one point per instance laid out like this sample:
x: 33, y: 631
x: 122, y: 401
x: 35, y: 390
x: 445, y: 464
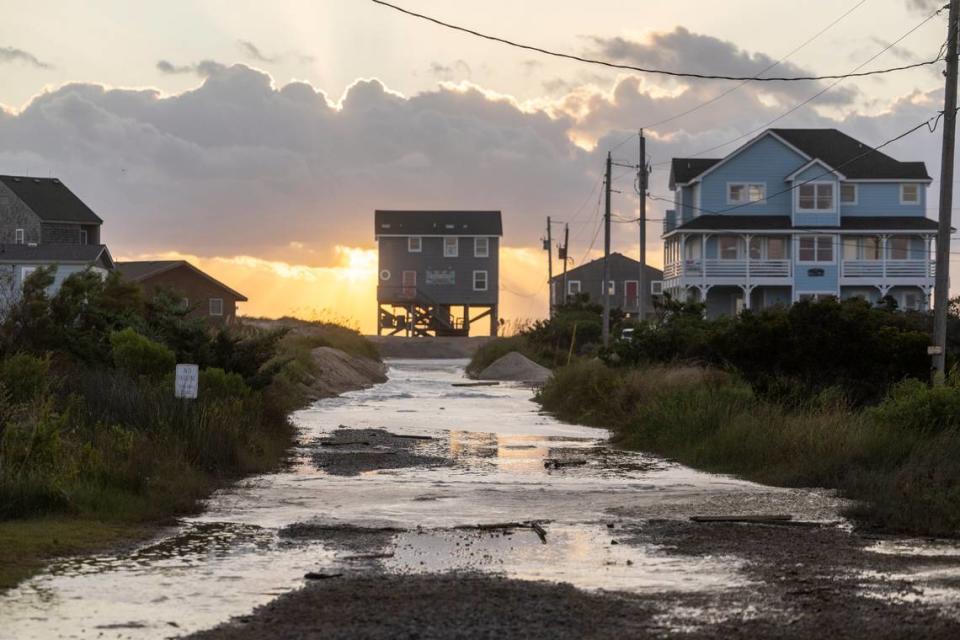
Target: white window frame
x: 856, y: 193
x: 736, y: 244
x: 84, y: 236
x: 890, y: 242
x: 816, y: 249
x: 477, y: 244
x: 385, y: 274
x: 816, y: 196
x: 414, y: 244
x: 25, y: 273
x: 612, y: 287
x: 446, y: 246
x: 570, y: 284
x: 656, y: 287
x: 903, y: 188
x: 766, y: 247
x: 486, y: 280
x: 19, y: 236
x: 746, y: 187
x: 213, y: 313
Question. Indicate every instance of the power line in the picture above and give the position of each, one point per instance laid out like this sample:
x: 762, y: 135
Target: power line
x: 628, y: 67
x: 821, y: 92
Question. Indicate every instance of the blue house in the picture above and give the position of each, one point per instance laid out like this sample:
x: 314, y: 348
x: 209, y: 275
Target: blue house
x: 798, y: 214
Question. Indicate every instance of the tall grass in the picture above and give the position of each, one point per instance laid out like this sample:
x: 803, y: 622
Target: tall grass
x: 900, y: 460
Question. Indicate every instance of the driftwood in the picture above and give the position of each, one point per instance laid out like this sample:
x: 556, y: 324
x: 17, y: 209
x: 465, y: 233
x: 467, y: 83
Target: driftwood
x: 757, y: 519
x: 483, y: 383
x: 343, y: 443
x: 321, y: 576
x: 535, y: 525
x: 368, y: 556
x: 558, y: 464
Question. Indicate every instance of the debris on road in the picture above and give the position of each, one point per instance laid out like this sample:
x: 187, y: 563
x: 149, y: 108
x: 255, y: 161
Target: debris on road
x: 552, y: 463
x: 481, y: 383
x: 312, y: 575
x: 753, y: 519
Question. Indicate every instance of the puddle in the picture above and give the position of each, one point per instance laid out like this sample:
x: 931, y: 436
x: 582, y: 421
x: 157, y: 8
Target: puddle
x: 500, y: 452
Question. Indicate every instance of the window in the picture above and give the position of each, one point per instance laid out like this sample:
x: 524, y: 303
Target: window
x: 815, y: 249
x: 656, y: 287
x: 481, y: 247
x: 451, y: 247
x: 756, y: 248
x: 776, y: 249
x: 479, y: 280
x: 909, y: 194
x: 815, y: 196
x: 19, y: 236
x: 742, y: 193
x: 692, y: 249
x: 848, y: 193
x: 185, y: 303
x: 414, y: 244
x: 815, y: 297
x: 216, y: 306
x: 899, y: 248
x: 910, y: 301
x: 573, y: 287
x: 385, y: 274
x: 728, y: 247
x: 83, y: 236
x: 612, y: 287
x: 25, y: 273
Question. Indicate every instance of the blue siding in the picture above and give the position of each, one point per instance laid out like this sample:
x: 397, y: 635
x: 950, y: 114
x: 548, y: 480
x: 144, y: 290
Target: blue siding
x: 816, y: 219
x: 805, y: 283
x: 767, y: 161
x: 687, y: 211
x: 883, y: 199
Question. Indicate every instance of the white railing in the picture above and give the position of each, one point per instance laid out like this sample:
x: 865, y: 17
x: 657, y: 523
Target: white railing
x: 890, y: 269
x: 715, y: 268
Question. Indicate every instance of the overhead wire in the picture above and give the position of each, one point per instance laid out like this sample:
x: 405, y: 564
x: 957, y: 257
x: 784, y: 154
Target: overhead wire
x: 649, y: 70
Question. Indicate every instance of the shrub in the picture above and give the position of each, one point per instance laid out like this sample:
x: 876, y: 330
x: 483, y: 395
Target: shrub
x: 138, y: 355
x: 217, y: 384
x: 25, y: 376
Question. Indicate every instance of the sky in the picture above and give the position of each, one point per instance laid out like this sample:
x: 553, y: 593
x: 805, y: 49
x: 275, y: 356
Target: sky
x: 256, y: 140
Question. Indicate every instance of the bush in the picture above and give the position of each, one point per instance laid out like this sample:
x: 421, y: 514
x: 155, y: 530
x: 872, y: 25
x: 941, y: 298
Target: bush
x: 217, y: 384
x: 24, y: 376
x: 140, y: 356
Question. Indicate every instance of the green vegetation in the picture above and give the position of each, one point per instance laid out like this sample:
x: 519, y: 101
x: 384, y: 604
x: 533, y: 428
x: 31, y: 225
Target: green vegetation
x: 91, y: 436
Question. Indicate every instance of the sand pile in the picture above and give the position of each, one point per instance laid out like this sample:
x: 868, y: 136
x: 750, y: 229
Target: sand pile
x: 517, y: 367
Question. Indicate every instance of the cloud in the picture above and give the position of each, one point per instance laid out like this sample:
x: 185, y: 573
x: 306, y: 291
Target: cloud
x: 12, y: 54
x: 457, y: 70
x: 925, y: 6
x: 253, y: 52
x: 203, y: 68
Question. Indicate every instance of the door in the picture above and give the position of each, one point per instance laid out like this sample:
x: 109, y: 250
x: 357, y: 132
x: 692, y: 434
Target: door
x: 630, y: 294
x: 409, y: 284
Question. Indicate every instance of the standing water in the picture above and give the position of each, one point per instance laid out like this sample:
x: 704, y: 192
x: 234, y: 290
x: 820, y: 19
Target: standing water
x: 478, y: 457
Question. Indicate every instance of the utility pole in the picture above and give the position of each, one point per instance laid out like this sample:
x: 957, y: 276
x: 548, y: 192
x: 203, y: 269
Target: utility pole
x: 605, y: 285
x: 642, y: 285
x: 565, y: 256
x: 548, y: 245
x: 941, y: 290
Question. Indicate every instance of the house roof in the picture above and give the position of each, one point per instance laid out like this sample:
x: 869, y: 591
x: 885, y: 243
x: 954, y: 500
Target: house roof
x: 719, y: 222
x: 854, y: 159
x: 56, y: 254
x: 50, y: 199
x: 618, y: 261
x: 138, y: 271
x: 427, y: 223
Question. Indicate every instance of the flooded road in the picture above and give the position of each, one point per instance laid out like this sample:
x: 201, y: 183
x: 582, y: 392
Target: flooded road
x: 417, y: 476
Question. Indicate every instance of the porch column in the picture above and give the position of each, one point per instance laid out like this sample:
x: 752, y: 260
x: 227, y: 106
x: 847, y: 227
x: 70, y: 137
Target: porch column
x: 883, y: 257
x: 703, y: 259
x: 746, y: 239
x: 681, y: 259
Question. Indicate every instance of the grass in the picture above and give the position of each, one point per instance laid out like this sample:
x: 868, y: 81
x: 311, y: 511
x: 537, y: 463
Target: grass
x: 900, y: 460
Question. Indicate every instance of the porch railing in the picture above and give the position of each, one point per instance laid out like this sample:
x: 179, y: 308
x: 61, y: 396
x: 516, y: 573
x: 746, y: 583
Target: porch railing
x: 715, y: 268
x: 890, y: 268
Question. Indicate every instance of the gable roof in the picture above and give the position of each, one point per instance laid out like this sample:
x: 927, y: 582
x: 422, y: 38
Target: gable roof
x: 51, y: 200
x: 842, y: 153
x: 618, y: 261
x: 54, y: 253
x: 138, y: 271
x: 437, y: 223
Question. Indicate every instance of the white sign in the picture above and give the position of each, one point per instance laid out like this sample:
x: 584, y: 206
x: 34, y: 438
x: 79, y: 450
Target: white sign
x: 934, y: 351
x: 187, y: 381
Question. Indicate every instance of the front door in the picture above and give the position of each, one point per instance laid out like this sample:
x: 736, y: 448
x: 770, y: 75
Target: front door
x: 630, y: 294
x: 409, y: 284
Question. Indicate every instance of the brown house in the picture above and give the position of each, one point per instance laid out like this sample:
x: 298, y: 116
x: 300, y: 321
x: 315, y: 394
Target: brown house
x: 206, y: 297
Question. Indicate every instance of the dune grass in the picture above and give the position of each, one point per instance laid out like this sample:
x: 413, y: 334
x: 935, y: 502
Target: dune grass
x: 900, y: 460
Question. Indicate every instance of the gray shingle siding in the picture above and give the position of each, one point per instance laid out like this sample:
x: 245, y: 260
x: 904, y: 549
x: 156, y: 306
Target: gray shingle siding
x: 15, y: 214
x: 395, y: 258
x: 590, y: 275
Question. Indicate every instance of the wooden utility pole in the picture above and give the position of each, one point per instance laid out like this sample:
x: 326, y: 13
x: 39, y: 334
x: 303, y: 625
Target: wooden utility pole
x: 941, y: 291
x: 605, y: 285
x: 642, y: 285
x: 565, y: 256
x: 549, y: 248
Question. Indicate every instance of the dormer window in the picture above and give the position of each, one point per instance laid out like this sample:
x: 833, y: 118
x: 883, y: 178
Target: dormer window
x: 743, y: 192
x: 19, y: 237
x: 815, y: 196
x: 910, y: 193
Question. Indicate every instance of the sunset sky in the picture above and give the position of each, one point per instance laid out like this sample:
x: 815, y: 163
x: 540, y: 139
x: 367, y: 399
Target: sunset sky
x: 257, y: 139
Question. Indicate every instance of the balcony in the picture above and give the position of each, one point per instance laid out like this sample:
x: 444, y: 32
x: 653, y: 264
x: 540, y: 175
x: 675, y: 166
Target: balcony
x: 887, y: 269
x: 714, y: 269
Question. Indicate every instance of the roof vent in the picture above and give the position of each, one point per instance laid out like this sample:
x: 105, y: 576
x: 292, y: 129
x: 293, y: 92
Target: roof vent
x: 36, y: 180
x: 16, y: 179
x: 56, y: 180
x: 31, y: 244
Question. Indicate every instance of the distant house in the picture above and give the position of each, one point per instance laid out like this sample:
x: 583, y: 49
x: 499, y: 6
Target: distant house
x: 438, y: 271
x: 43, y: 223
x: 623, y: 284
x: 798, y: 214
x: 205, y: 296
